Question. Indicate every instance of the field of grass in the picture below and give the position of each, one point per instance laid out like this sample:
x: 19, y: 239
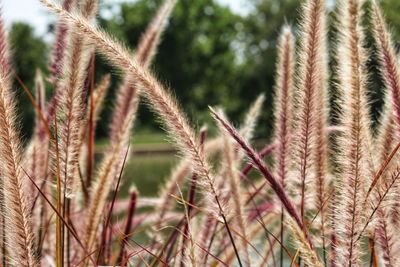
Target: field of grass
x: 147, y: 172
x: 150, y: 163
x: 141, y: 138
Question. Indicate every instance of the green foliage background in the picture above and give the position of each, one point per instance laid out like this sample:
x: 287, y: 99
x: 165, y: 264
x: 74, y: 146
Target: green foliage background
x: 208, y: 56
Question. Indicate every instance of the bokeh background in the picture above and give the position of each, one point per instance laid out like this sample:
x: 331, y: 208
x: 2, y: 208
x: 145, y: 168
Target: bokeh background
x: 212, y: 53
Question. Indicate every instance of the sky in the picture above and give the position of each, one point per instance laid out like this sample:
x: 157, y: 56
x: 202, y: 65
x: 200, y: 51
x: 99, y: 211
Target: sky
x: 32, y: 12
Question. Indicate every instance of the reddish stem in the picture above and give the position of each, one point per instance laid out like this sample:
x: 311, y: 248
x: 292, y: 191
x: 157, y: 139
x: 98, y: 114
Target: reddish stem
x: 128, y: 226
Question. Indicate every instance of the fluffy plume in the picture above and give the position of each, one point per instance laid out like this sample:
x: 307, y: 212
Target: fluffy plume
x: 57, y: 60
x: 40, y: 92
x: 123, y: 119
x: 355, y: 141
x: 96, y: 105
x: 309, y: 256
x: 283, y: 109
x: 251, y: 118
x: 145, y: 52
x: 387, y: 239
x: 321, y: 132
x: 310, y: 130
x: 71, y: 110
x: 388, y: 61
x: 59, y: 47
x: 381, y: 203
x: 35, y: 156
x: 96, y: 102
x: 390, y: 122
x: 88, y: 8
x: 99, y: 95
x: 283, y: 103
x: 18, y: 228
x: 147, y: 48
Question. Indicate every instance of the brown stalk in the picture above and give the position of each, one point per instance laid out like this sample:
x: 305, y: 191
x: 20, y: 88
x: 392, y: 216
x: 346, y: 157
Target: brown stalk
x: 91, y: 128
x: 59, y: 249
x: 108, y: 218
x: 59, y: 215
x: 128, y: 226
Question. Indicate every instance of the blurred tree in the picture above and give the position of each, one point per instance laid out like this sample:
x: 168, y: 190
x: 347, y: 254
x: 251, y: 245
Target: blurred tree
x: 28, y: 53
x: 391, y: 10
